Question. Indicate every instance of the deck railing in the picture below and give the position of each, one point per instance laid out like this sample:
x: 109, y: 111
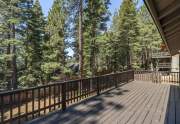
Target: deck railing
x: 23, y: 105
x: 164, y: 65
x: 158, y: 76
x: 161, y: 55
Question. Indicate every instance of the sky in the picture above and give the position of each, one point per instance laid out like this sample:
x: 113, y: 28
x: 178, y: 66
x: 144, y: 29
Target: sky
x: 115, y: 4
x: 47, y: 4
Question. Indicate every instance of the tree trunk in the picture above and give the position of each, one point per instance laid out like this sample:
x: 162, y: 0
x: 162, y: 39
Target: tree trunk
x: 8, y: 78
x: 93, y: 49
x: 14, y: 68
x: 129, y: 57
x: 14, y: 64
x: 80, y: 39
x: 8, y: 52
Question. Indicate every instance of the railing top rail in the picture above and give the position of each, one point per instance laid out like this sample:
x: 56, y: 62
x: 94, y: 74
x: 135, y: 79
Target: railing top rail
x: 56, y: 83
x: 154, y: 71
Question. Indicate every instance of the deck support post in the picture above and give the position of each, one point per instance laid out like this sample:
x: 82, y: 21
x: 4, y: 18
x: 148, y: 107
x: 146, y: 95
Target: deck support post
x: 98, y: 86
x: 63, y: 96
x: 115, y: 80
x: 179, y: 67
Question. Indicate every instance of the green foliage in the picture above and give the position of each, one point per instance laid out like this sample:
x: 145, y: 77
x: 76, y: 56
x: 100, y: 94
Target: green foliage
x: 54, y: 48
x: 33, y: 48
x: 96, y: 15
x: 124, y: 31
x: 149, y: 38
x: 34, y: 52
x: 9, y: 23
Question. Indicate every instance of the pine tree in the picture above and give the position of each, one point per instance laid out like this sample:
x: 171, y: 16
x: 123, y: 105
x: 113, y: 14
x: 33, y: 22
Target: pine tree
x: 54, y: 48
x: 128, y: 29
x: 10, y: 20
x: 96, y: 16
x: 149, y: 37
x: 35, y: 37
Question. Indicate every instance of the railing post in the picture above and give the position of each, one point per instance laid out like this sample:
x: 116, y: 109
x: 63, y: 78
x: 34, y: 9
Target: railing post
x: 2, y: 109
x: 98, y: 86
x: 115, y: 79
x: 133, y: 75
x: 63, y: 92
x: 127, y: 77
x: 179, y: 67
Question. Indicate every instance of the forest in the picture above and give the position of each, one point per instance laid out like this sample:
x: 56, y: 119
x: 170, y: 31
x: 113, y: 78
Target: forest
x: 34, y: 48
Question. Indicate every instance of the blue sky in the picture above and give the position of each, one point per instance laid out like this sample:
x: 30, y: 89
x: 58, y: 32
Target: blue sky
x: 115, y: 4
x: 46, y: 5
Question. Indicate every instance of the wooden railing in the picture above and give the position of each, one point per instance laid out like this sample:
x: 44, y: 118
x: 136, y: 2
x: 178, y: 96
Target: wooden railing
x: 164, y: 65
x: 158, y: 76
x: 23, y: 105
x: 143, y: 75
x: 161, y: 55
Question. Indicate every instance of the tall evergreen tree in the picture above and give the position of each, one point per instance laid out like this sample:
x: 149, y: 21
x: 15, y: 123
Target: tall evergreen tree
x: 54, y: 48
x: 149, y: 37
x: 35, y: 37
x: 128, y: 29
x: 10, y: 20
x: 96, y: 16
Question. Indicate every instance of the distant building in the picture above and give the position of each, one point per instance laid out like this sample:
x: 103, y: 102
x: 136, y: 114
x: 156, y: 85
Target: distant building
x: 175, y: 63
x: 162, y: 61
x: 165, y: 62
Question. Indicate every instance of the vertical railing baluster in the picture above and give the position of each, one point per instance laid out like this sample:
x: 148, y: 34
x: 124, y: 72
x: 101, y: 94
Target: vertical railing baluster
x: 54, y: 93
x: 59, y: 99
x: 74, y: 91
x: 26, y: 105
x: 63, y: 89
x: 89, y: 86
x: 172, y: 77
x: 71, y: 92
x: 33, y: 103
x: 11, y: 107
x: 2, y: 109
x: 115, y: 80
x: 176, y: 77
x: 179, y: 75
x: 39, y: 100
x: 85, y: 88
x: 49, y: 98
x: 77, y: 90
x: 67, y: 93
x: 98, y: 85
x: 80, y: 88
x: 44, y: 100
x: 19, y: 107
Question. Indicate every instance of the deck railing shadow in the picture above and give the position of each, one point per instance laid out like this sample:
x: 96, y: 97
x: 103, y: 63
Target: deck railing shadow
x: 79, y: 112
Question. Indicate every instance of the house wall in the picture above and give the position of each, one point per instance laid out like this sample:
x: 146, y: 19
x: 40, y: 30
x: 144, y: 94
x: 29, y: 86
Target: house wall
x: 175, y: 63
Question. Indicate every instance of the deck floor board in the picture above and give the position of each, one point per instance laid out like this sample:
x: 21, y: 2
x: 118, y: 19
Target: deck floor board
x: 138, y: 102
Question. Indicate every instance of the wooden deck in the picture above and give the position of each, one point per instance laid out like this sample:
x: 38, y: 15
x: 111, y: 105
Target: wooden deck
x: 134, y: 103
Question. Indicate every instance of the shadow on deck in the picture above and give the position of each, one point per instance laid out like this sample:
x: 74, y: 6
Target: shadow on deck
x: 134, y: 103
x: 173, y: 109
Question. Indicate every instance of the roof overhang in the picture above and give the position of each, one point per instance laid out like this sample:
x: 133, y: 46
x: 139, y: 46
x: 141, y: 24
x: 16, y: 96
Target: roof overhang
x: 166, y: 15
